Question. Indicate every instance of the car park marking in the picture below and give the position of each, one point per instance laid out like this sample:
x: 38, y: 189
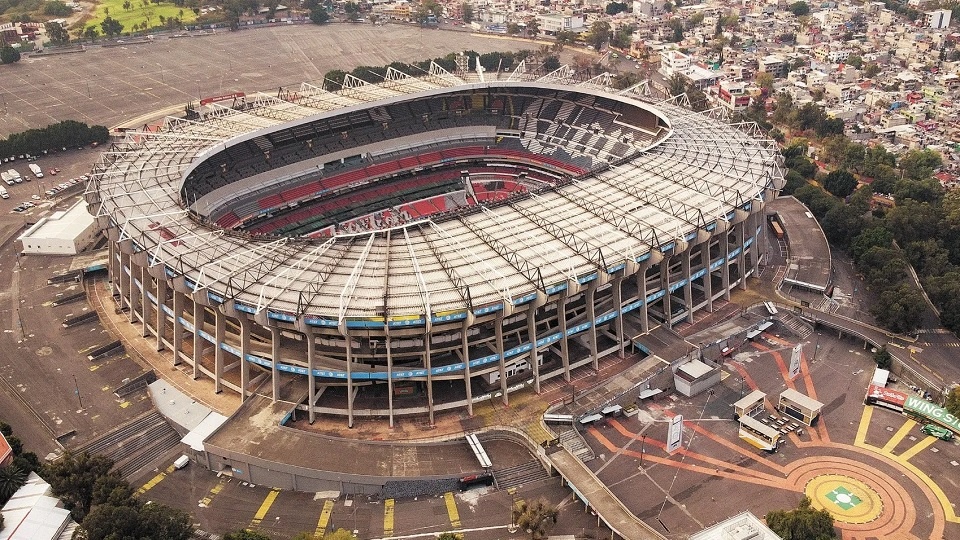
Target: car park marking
x: 388, y: 507
x: 452, y: 512
x: 324, y: 519
x: 264, y: 507
x: 922, y: 445
x: 205, y: 502
x: 154, y: 481
x: 899, y: 435
x: 863, y: 427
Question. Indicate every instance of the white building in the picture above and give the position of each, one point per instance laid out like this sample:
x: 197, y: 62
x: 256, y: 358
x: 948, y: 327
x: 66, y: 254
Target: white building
x: 672, y: 61
x: 33, y: 513
x: 937, y: 19
x: 551, y: 24
x: 66, y: 232
x: 745, y: 525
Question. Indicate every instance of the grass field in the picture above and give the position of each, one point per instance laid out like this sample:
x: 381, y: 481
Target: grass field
x: 138, y: 14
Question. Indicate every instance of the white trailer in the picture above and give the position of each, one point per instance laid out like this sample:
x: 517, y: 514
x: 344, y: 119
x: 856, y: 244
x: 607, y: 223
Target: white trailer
x: 5, y: 176
x: 36, y: 170
x: 15, y: 176
x: 3, y: 193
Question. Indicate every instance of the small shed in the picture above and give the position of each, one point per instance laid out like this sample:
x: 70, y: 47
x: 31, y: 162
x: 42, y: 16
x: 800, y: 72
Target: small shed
x: 749, y: 405
x: 695, y: 377
x: 799, y: 406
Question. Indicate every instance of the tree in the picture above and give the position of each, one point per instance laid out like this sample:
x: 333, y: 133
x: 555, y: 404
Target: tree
x: 599, y: 34
x: 871, y: 70
x: 676, y: 85
x: 535, y: 517
x: 340, y: 534
x: 244, y: 534
x: 513, y: 28
x: 319, y: 15
x: 450, y: 536
x: 551, y: 63
x: 841, y: 183
x: 799, y: 8
x: 111, y: 27
x: 56, y: 8
x: 12, y: 478
x: 614, y: 8
x: 920, y: 164
x: 953, y: 401
x: 882, y: 358
x: 764, y: 80
x: 73, y: 478
x: 676, y: 29
x: 533, y: 27
x: 804, y: 523
x: 9, y: 55
x: 900, y: 308
x: 136, y: 520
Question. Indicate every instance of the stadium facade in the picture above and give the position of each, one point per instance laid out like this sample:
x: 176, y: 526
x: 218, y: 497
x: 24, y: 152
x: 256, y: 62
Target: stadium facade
x: 425, y: 243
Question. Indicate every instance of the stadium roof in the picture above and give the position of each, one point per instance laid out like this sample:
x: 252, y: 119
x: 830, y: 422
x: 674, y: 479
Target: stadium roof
x: 694, y: 178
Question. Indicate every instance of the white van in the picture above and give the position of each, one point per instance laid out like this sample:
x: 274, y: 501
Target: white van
x: 181, y: 462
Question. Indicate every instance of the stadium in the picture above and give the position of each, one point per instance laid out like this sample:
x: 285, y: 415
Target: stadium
x: 424, y: 243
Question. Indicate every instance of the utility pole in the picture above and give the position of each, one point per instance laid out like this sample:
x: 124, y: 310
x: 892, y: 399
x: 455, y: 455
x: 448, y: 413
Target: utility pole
x: 76, y: 390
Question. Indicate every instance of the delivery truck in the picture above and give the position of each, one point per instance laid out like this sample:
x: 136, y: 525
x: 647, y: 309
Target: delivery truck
x: 36, y: 170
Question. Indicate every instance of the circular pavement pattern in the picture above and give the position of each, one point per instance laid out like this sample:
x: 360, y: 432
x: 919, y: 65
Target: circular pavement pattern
x: 849, y: 500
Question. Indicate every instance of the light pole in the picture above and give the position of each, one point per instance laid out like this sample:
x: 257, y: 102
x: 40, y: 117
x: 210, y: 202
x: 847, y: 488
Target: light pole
x: 643, y: 441
x: 76, y: 389
x: 741, y: 386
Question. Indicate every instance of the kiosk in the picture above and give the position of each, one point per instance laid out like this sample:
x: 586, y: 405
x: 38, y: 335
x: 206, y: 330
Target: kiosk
x: 749, y: 405
x: 799, y: 406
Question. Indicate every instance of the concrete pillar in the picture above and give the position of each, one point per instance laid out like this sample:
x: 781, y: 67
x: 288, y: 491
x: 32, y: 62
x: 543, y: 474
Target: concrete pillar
x: 464, y: 346
x: 591, y: 318
x: 688, y: 288
x: 244, y: 351
x: 177, y: 326
x: 725, y: 267
x: 665, y: 287
x: 742, y: 257
x: 311, y: 379
x: 618, y: 306
x: 427, y: 360
x: 389, y: 344
x: 198, y: 316
x: 707, y: 278
x: 113, y: 267
x: 274, y: 371
x: 145, y: 284
x: 642, y: 293
x: 161, y: 314
x: 220, y: 321
x: 503, y: 368
x: 532, y: 336
x: 132, y: 290
x: 564, y: 343
x: 349, y: 347
x: 122, y: 280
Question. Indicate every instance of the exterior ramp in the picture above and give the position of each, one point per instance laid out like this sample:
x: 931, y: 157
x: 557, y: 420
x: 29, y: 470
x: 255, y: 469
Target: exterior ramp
x: 596, y: 495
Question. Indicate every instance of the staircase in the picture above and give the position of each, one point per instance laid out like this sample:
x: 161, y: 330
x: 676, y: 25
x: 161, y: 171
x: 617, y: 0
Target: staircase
x: 136, y: 444
x: 519, y: 475
x: 574, y: 443
x: 795, y: 324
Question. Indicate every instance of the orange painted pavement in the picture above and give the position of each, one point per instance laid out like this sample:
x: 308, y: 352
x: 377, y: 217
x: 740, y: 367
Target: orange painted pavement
x: 720, y: 440
x: 783, y: 367
x: 773, y: 482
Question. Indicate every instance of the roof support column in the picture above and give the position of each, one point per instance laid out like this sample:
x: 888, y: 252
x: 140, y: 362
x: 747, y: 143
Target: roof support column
x: 244, y: 351
x: 349, y: 347
x: 274, y: 371
x: 708, y: 275
x: 642, y: 293
x: 688, y: 288
x: 220, y: 320
x: 145, y: 283
x: 564, y: 343
x: 665, y: 287
x: 759, y: 239
x: 177, y: 326
x: 113, y: 266
x: 465, y: 347
x: 161, y: 314
x: 725, y: 266
x: 389, y: 344
x: 618, y: 305
x: 503, y: 368
x: 132, y: 291
x: 592, y: 318
x: 198, y: 316
x: 532, y: 336
x: 427, y: 362
x: 742, y: 257
x: 311, y: 378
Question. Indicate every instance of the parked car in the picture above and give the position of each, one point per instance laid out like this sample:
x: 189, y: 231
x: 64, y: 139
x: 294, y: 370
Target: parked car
x: 939, y: 432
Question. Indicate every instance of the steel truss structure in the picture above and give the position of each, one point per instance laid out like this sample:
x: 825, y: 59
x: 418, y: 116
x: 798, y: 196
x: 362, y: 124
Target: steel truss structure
x: 441, y: 312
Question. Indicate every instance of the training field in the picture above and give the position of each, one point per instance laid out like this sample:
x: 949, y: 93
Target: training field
x: 138, y: 13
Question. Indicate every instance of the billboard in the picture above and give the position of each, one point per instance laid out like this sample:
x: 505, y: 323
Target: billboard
x: 879, y: 394
x: 795, y: 362
x: 929, y: 410
x: 675, y: 434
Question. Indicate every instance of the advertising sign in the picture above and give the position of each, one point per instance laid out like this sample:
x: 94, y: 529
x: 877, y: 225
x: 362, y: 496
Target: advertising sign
x: 795, y: 362
x: 927, y: 409
x: 886, y: 395
x: 675, y: 435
